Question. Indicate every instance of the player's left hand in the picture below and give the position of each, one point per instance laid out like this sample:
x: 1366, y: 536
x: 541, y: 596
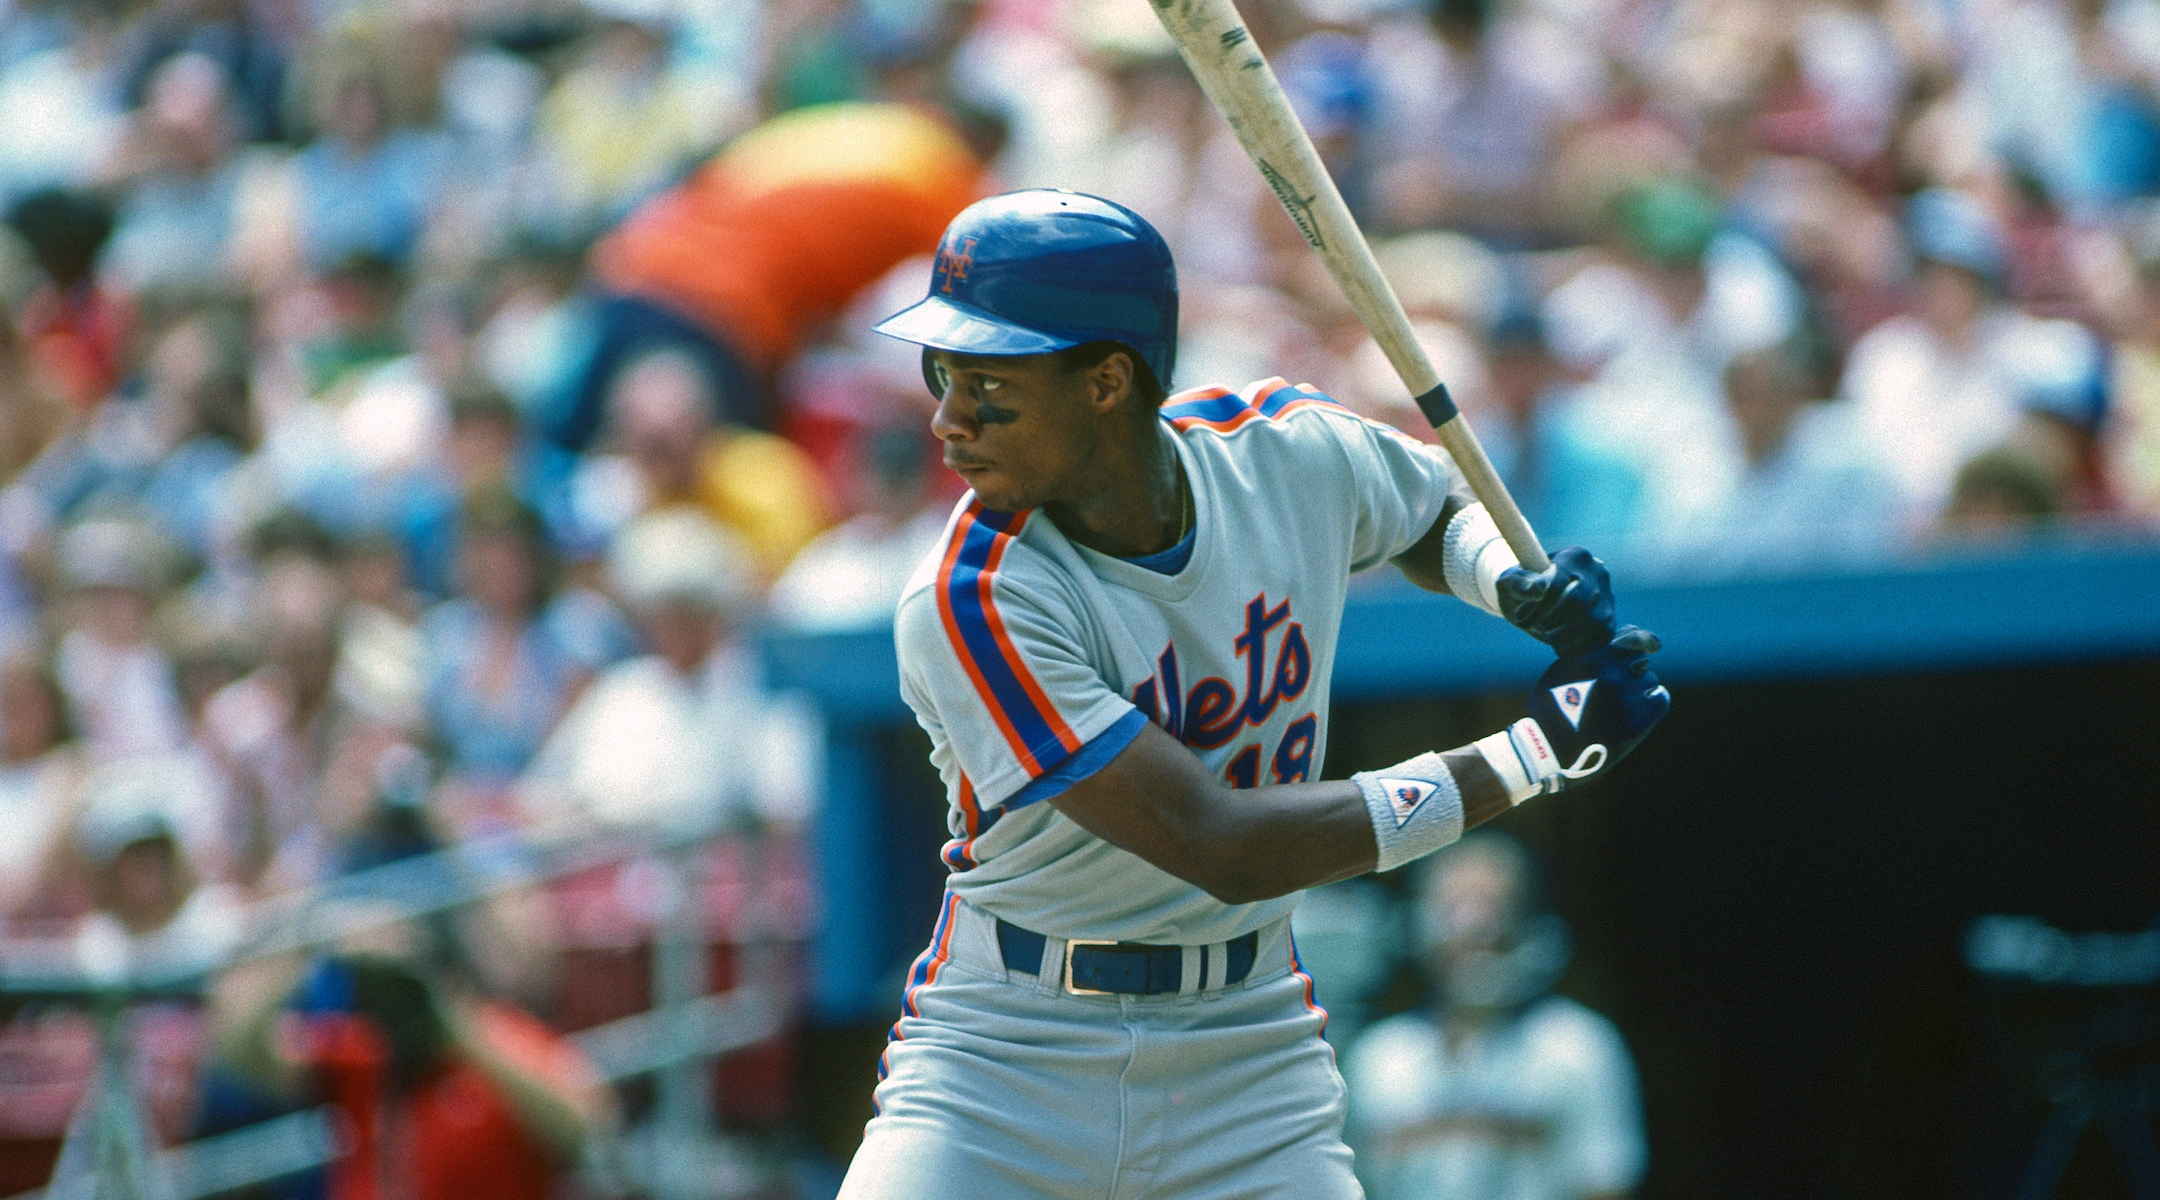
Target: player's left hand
x: 1589, y: 710
x: 1568, y: 605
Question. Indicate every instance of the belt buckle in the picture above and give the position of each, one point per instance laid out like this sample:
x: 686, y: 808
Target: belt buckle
x: 1070, y: 945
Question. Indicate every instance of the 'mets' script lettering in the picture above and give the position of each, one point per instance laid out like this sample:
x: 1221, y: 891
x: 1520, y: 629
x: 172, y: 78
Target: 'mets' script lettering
x: 1213, y: 712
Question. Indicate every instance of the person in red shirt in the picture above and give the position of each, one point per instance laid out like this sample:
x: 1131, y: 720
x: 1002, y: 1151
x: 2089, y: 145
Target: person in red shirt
x: 73, y: 330
x: 446, y: 1094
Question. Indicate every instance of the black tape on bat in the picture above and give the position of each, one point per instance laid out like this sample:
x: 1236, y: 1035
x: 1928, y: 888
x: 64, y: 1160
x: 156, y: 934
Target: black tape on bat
x: 1437, y: 405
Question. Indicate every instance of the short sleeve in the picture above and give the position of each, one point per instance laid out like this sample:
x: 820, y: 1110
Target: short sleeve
x: 991, y: 665
x: 1401, y: 485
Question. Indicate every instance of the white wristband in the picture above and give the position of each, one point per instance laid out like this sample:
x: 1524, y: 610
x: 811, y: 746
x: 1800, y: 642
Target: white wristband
x: 1523, y: 759
x: 1415, y: 807
x: 1473, y: 557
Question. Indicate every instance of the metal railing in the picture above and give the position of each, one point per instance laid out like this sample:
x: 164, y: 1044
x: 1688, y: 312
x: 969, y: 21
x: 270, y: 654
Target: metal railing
x: 107, y: 1155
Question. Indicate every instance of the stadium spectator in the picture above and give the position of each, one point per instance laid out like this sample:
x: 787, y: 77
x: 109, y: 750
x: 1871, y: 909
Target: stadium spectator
x: 1153, y: 118
x: 851, y: 575
x: 664, y: 420
x: 2060, y: 380
x: 1572, y: 492
x: 70, y: 116
x: 2000, y: 494
x: 1811, y: 493
x: 380, y: 657
x: 446, y: 1092
x: 1471, y: 104
x: 1499, y: 1089
x: 153, y: 911
x: 499, y: 674
x: 486, y: 447
x: 121, y: 692
x: 1651, y: 324
x: 198, y: 385
x: 180, y: 179
x: 73, y: 327
x: 41, y: 786
x: 1939, y: 383
x: 740, y: 263
x: 243, y: 42
x: 622, y: 122
x: 683, y: 737
x: 268, y: 732
x: 366, y: 186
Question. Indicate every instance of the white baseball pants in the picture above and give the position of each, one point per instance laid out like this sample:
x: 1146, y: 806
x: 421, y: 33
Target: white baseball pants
x: 999, y: 1085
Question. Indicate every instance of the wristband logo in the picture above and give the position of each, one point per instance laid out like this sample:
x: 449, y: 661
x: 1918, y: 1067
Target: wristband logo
x: 1405, y: 796
x: 1571, y: 698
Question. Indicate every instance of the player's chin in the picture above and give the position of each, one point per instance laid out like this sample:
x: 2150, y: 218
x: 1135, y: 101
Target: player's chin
x: 996, y: 492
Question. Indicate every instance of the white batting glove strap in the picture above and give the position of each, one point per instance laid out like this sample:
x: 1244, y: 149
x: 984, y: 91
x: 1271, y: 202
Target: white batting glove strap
x: 1473, y: 556
x: 1522, y: 756
x: 1415, y: 807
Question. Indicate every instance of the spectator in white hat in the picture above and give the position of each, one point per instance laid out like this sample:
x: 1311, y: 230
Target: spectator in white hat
x: 684, y: 736
x: 133, y: 839
x: 119, y: 685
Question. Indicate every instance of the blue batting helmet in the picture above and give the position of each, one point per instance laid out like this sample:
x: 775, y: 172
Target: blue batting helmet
x: 1037, y: 271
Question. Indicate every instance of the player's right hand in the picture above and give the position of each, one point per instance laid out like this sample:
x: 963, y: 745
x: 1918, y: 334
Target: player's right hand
x: 1568, y: 605
x: 1588, y: 710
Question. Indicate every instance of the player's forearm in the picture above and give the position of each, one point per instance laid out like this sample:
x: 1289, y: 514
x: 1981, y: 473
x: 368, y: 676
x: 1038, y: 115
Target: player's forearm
x: 1271, y: 841
x: 1281, y: 838
x: 1158, y: 801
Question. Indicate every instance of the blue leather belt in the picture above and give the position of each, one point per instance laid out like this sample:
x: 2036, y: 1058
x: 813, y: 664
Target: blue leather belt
x: 1122, y: 968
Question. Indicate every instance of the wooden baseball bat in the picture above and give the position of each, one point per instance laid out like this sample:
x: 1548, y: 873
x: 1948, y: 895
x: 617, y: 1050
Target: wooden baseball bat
x: 1236, y: 77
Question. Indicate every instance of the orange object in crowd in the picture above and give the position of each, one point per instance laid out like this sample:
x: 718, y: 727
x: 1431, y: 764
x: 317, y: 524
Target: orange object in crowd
x: 75, y: 339
x: 773, y: 236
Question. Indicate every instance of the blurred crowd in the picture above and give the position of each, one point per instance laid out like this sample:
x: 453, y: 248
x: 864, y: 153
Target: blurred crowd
x: 411, y: 411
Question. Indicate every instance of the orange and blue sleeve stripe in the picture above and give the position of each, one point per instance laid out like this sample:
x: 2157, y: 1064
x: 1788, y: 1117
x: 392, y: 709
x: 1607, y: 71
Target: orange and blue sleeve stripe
x: 1038, y: 734
x: 1223, y: 411
x: 1086, y: 761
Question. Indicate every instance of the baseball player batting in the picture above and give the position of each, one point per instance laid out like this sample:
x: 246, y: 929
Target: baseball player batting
x: 1121, y: 651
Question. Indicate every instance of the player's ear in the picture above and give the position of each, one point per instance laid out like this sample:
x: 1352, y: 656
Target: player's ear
x: 1110, y: 381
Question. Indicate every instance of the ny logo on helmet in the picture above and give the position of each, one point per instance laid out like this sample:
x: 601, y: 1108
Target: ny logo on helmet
x: 953, y: 264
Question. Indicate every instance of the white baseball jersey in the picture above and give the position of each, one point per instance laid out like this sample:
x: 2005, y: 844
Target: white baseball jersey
x: 1032, y: 661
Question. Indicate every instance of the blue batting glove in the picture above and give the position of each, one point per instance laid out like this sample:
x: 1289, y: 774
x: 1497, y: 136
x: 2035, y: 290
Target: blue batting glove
x: 1568, y: 605
x: 1608, y: 697
x: 1586, y: 713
